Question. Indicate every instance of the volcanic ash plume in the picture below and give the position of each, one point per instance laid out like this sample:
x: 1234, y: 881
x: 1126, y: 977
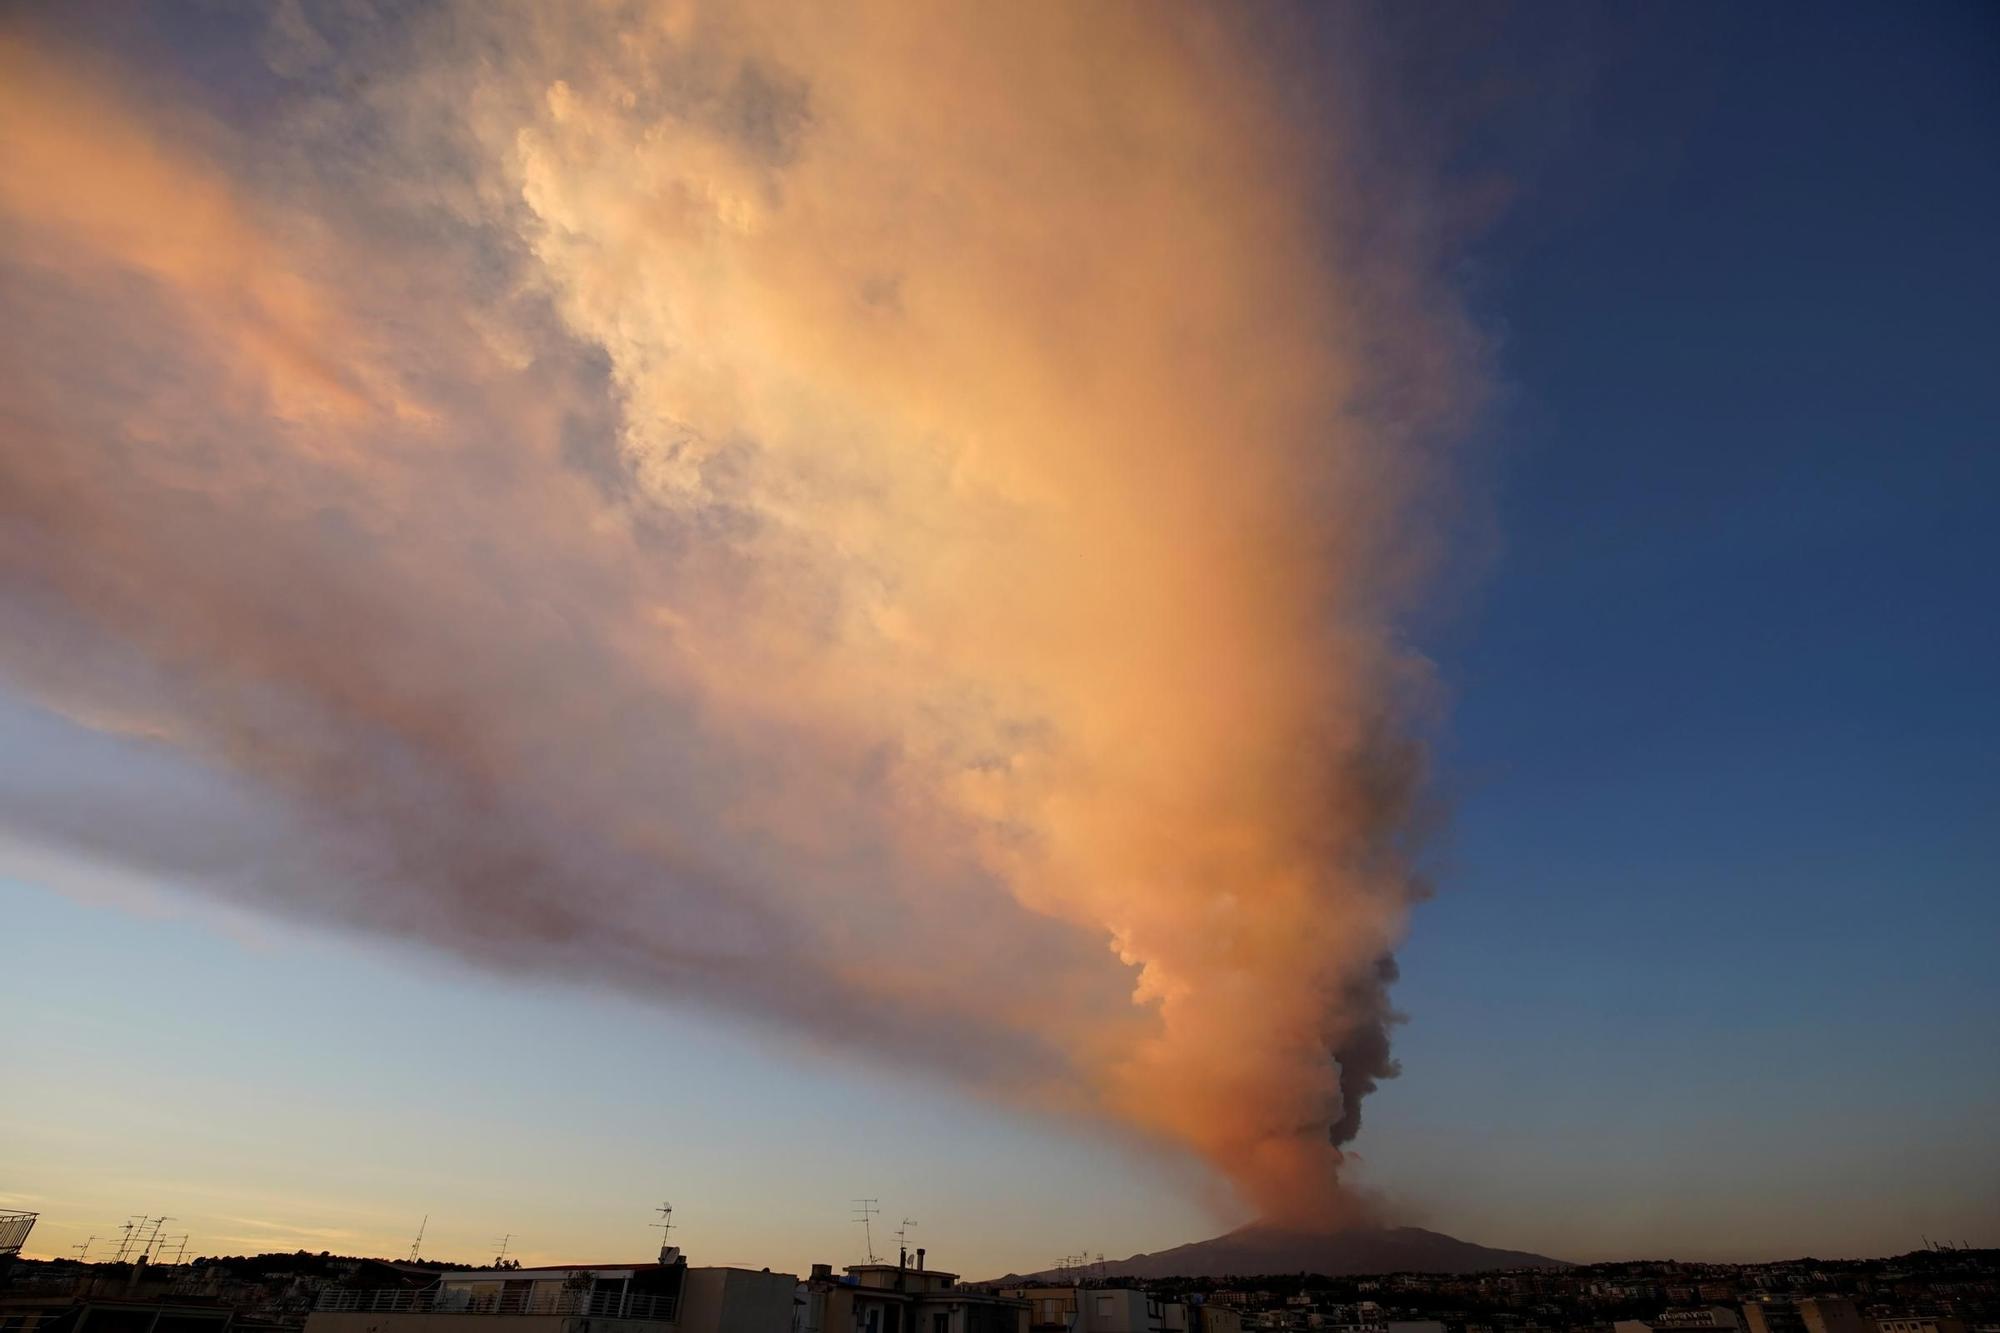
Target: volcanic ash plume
x: 881, y: 520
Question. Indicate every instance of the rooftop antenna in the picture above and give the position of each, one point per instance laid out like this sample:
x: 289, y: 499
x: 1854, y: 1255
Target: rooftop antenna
x: 125, y: 1231
x: 903, y: 1232
x: 83, y: 1250
x: 665, y: 1226
x: 180, y: 1248
x: 503, y: 1243
x: 864, y: 1213
x: 417, y: 1245
x: 153, y: 1237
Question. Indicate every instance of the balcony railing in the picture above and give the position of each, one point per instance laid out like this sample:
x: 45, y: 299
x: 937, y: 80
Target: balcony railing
x: 598, y: 1304
x: 14, y: 1229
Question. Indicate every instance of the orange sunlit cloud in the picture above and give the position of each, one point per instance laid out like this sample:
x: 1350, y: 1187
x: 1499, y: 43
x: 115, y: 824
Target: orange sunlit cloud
x: 882, y: 520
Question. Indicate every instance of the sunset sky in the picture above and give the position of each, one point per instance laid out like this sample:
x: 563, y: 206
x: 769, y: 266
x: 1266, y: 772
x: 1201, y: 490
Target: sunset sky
x: 758, y: 605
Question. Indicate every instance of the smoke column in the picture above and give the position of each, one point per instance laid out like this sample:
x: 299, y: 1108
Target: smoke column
x: 887, y: 521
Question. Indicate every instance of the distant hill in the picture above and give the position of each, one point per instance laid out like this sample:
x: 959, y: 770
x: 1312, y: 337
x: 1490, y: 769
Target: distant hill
x: 1257, y: 1249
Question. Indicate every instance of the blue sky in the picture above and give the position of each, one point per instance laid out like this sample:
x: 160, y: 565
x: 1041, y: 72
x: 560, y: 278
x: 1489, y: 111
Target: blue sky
x: 1718, y: 905
x: 1709, y: 969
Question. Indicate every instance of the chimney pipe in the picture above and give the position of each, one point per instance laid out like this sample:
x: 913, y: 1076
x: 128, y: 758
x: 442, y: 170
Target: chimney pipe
x: 920, y: 1258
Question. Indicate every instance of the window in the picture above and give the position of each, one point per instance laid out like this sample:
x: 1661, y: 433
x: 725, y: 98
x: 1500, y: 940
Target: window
x: 941, y: 1322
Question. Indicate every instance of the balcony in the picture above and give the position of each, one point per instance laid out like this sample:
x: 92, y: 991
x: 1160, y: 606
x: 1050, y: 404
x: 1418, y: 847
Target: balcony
x: 597, y: 1304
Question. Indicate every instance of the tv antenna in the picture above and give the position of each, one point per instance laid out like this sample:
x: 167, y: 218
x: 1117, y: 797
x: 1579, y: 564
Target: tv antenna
x: 503, y: 1243
x: 665, y: 1226
x: 153, y: 1237
x: 903, y: 1232
x: 417, y: 1245
x: 864, y: 1213
x: 127, y: 1232
x: 83, y: 1250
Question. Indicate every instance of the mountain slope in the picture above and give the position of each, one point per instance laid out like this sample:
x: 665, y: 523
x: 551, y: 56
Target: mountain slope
x: 1261, y: 1249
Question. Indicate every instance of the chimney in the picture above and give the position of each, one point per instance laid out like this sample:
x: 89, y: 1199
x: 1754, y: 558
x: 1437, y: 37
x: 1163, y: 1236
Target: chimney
x: 822, y: 1273
x: 920, y: 1258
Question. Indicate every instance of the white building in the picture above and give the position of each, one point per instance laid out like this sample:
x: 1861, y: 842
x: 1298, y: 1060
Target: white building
x: 898, y: 1298
x: 1705, y: 1319
x: 662, y: 1297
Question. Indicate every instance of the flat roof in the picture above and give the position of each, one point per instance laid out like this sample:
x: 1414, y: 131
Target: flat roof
x: 900, y: 1268
x: 502, y: 1274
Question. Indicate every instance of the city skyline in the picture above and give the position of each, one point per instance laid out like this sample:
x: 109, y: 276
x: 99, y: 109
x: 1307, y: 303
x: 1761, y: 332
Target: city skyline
x: 723, y: 607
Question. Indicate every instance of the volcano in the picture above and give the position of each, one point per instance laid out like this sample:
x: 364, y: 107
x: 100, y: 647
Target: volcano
x: 1258, y: 1248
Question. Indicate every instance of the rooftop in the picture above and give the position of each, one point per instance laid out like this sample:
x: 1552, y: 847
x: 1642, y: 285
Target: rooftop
x: 856, y: 1270
x: 543, y: 1270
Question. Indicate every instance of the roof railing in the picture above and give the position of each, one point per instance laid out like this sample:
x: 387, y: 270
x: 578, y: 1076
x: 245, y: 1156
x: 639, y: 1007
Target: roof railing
x: 598, y: 1304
